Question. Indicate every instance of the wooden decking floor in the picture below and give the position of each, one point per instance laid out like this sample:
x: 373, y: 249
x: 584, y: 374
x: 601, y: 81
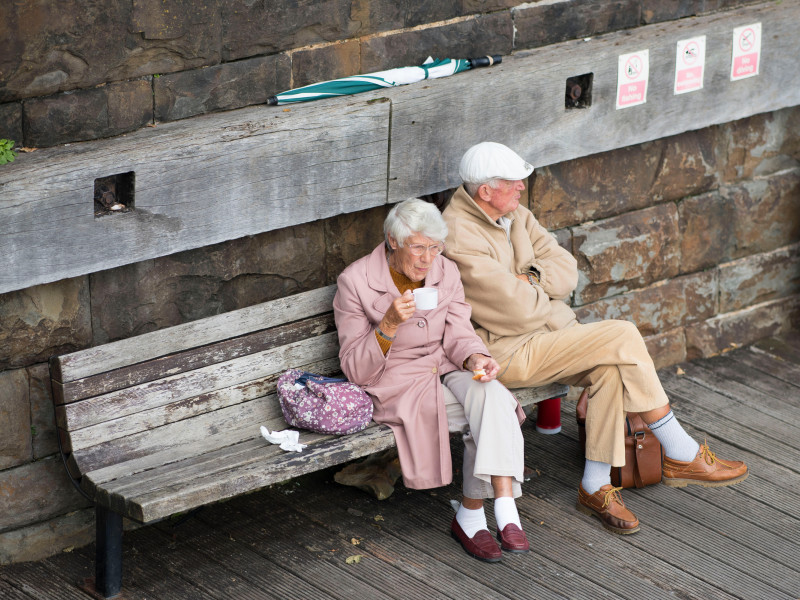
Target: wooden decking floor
x: 292, y: 541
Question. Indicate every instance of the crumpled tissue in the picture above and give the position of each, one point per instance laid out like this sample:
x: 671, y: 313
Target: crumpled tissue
x: 288, y: 439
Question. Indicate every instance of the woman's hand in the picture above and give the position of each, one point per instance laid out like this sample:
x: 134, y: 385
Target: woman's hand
x: 487, y: 363
x: 399, y: 312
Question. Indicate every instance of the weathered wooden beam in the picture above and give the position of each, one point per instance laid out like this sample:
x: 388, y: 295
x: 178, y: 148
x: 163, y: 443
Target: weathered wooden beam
x: 522, y: 101
x: 196, y: 182
x: 228, y: 175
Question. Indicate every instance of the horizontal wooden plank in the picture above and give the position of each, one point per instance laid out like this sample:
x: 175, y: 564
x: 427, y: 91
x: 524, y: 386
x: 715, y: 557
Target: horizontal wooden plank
x: 521, y: 102
x: 130, y: 351
x: 148, y: 420
x: 255, y: 473
x: 198, y: 182
x: 195, y: 358
x: 175, y: 388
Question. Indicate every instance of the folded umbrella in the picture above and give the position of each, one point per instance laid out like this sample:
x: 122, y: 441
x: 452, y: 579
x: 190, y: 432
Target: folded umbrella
x: 430, y: 69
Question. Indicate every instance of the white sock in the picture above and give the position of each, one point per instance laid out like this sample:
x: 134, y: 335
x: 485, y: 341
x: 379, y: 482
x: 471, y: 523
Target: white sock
x: 595, y: 475
x: 678, y: 445
x: 471, y: 520
x: 505, y: 512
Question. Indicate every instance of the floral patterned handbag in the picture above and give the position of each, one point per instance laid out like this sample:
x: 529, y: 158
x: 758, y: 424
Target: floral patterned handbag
x: 323, y: 404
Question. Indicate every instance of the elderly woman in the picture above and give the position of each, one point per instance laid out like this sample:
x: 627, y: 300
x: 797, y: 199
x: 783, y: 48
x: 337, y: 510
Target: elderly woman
x: 423, y: 370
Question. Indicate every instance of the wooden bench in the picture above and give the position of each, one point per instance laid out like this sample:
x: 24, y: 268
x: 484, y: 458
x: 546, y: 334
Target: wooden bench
x: 168, y: 421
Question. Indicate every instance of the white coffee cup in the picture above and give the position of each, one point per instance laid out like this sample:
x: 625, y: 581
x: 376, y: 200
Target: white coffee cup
x: 426, y: 298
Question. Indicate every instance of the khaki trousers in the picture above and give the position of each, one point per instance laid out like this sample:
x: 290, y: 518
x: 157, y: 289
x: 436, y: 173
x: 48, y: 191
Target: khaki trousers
x: 608, y: 357
x: 485, y: 415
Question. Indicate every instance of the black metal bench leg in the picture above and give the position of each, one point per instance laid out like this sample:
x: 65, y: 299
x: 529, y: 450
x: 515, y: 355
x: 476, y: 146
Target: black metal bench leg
x: 108, y: 566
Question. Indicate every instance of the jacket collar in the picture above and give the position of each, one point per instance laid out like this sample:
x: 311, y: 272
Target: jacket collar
x: 464, y: 203
x: 379, y: 278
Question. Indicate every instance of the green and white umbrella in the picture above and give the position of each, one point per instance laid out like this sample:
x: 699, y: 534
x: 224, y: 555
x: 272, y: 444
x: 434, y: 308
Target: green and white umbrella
x: 430, y: 69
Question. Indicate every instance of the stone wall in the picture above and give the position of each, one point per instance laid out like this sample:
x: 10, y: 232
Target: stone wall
x: 695, y: 238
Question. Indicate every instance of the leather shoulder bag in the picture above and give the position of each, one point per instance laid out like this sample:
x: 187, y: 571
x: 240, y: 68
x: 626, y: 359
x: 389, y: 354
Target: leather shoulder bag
x: 643, y: 451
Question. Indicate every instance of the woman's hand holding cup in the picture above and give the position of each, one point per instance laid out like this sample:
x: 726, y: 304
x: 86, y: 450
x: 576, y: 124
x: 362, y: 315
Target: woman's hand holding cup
x: 399, y: 312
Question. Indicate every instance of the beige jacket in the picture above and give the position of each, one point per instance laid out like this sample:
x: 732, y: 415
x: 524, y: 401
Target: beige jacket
x: 506, y: 311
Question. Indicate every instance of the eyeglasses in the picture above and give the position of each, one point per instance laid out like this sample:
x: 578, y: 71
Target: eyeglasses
x: 419, y: 249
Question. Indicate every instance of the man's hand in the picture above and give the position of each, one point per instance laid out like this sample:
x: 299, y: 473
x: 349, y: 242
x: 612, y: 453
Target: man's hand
x: 487, y: 363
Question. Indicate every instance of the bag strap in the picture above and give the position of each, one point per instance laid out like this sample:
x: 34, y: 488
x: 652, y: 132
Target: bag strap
x: 305, y: 377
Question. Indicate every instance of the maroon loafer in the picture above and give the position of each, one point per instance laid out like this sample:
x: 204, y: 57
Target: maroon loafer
x: 482, y: 546
x: 513, y: 539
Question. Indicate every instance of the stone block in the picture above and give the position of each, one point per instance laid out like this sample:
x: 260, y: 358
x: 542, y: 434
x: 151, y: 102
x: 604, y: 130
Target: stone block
x: 88, y: 114
x: 182, y: 287
x: 707, y: 231
x: 564, y: 238
x: 668, y: 348
x: 759, y: 278
x: 325, y: 62
x: 222, y: 87
x: 626, y: 252
x: 479, y: 36
x: 349, y: 237
x: 36, y: 492
x: 759, y: 145
x: 605, y: 184
x: 660, y: 307
x: 541, y: 24
x: 655, y: 11
x: 43, y: 422
x: 423, y: 13
x: 729, y: 331
x: 15, y: 419
x: 765, y: 213
x: 253, y: 27
x: 11, y: 122
x: 43, y: 320
x: 48, y: 47
x: 40, y: 540
x: 483, y: 6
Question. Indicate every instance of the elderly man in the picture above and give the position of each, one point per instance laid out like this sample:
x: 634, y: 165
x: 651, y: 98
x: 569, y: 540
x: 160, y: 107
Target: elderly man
x: 517, y: 279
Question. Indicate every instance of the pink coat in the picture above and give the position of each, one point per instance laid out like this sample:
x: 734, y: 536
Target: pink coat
x: 404, y: 384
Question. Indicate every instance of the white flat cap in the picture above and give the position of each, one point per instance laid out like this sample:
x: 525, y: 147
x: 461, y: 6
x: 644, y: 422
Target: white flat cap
x: 490, y: 160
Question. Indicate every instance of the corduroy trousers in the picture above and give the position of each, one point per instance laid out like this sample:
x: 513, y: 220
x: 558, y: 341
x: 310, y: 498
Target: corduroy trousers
x: 608, y: 357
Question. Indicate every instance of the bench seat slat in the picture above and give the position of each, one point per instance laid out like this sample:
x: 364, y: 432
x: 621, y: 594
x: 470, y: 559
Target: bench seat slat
x: 115, y: 355
x: 192, y: 359
x: 250, y: 472
x: 175, y: 388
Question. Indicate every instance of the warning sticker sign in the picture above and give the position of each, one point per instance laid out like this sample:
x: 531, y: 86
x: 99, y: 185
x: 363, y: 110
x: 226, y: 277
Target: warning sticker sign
x: 690, y: 60
x: 633, y: 71
x: 746, y: 51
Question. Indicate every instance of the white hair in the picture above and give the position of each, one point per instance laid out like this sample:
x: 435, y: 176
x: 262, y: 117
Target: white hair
x: 472, y: 187
x: 414, y: 216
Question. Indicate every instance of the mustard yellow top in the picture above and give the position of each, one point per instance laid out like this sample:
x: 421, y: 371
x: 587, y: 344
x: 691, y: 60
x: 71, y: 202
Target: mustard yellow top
x: 403, y: 283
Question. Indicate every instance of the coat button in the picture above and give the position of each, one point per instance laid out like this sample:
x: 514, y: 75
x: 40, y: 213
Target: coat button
x: 433, y: 370
x: 420, y: 323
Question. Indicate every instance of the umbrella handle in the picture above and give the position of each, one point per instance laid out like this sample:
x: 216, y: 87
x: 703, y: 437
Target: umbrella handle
x: 485, y: 61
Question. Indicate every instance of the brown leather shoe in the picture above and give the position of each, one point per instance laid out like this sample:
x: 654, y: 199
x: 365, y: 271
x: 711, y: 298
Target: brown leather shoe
x: 482, y: 546
x: 513, y: 539
x: 706, y: 470
x: 606, y: 504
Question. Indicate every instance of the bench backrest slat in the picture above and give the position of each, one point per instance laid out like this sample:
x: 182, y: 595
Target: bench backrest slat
x: 190, y: 384
x: 141, y: 348
x: 188, y: 360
